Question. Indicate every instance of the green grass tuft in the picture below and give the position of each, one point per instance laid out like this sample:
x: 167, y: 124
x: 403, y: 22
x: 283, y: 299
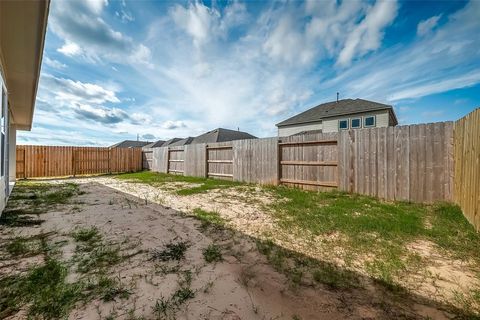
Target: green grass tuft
x: 44, y: 289
x: 172, y: 251
x: 209, y: 218
x: 212, y: 253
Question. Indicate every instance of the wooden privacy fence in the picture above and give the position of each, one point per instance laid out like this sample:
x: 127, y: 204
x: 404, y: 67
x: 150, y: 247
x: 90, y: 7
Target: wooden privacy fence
x: 57, y: 161
x: 412, y: 163
x: 418, y: 163
x: 467, y: 166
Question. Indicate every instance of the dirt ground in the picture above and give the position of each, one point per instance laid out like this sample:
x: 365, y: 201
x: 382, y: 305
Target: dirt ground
x: 242, y: 285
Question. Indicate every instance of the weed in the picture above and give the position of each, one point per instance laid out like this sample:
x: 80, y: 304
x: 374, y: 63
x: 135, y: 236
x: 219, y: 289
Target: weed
x: 212, y: 253
x: 172, y: 251
x: 209, y: 218
x: 109, y: 288
x: 100, y: 258
x: 44, y: 289
x: 182, y: 295
x: 163, y: 308
x: 86, y: 235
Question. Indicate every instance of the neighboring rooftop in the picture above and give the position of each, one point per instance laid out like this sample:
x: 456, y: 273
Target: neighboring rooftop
x: 222, y: 135
x: 130, y: 144
x: 337, y: 108
x: 155, y: 144
x: 169, y: 142
x: 182, y: 142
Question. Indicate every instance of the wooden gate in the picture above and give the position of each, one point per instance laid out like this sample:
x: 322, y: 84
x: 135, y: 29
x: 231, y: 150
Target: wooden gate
x: 317, y: 167
x: 175, y: 160
x: 219, y: 161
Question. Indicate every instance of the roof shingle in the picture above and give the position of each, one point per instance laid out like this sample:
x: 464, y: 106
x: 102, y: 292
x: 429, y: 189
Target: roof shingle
x: 336, y: 108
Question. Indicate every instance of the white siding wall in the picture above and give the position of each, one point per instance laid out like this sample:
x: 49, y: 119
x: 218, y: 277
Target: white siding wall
x: 331, y: 124
x: 3, y: 151
x: 12, y: 144
x: 289, y: 130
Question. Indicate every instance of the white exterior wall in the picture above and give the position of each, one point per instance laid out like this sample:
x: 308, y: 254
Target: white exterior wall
x: 382, y: 120
x: 293, y: 129
x: 12, y: 144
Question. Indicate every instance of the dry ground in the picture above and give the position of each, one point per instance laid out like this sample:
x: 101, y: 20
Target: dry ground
x: 136, y: 251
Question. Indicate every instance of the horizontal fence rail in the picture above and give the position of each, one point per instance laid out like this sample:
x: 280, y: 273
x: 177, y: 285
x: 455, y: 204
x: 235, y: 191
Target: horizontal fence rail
x: 58, y: 161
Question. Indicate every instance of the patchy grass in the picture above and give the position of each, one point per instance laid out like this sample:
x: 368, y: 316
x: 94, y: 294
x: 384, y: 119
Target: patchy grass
x: 212, y: 253
x: 43, y: 194
x: 157, y: 179
x: 209, y: 218
x: 87, y: 238
x: 44, y: 289
x: 100, y: 258
x: 172, y: 251
x: 108, y: 289
x: 364, y: 226
x: 27, y: 246
x: 165, y: 308
x: 30, y: 198
x: 297, y: 267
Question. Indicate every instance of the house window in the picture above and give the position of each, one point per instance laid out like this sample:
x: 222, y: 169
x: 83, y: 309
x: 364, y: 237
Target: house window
x: 343, y: 124
x: 356, y: 123
x: 369, y: 121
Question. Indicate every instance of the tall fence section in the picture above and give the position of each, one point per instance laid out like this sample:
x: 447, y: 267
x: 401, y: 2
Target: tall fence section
x: 58, y: 161
x: 467, y: 166
x: 418, y: 163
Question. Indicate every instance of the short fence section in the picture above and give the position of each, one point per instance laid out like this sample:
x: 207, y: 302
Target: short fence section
x: 59, y: 161
x: 219, y: 161
x: 176, y: 160
x: 309, y: 163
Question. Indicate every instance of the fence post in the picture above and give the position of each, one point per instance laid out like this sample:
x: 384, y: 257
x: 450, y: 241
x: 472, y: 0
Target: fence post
x: 168, y: 159
x: 279, y: 162
x: 206, y: 160
x: 73, y: 162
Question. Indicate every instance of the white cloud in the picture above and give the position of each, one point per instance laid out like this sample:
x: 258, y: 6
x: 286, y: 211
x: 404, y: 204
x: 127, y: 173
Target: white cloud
x: 462, y: 81
x: 426, y: 26
x: 54, y: 63
x: 67, y: 90
x: 368, y: 34
x: 170, y: 125
x: 80, y: 24
x: 70, y: 49
x: 204, y: 24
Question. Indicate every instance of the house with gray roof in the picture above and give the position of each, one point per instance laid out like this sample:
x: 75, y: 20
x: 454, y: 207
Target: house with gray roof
x: 155, y: 144
x: 222, y: 135
x: 339, y: 115
x: 182, y: 142
x: 130, y: 144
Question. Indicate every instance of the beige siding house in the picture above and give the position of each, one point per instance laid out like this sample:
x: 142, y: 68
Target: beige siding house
x: 22, y: 34
x: 339, y: 115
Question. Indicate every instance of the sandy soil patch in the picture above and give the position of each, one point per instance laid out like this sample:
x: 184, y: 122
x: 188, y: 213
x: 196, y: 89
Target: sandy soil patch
x: 243, y: 285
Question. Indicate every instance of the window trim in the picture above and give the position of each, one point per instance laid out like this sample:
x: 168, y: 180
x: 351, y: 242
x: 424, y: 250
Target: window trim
x: 374, y: 121
x: 348, y: 124
x: 359, y: 123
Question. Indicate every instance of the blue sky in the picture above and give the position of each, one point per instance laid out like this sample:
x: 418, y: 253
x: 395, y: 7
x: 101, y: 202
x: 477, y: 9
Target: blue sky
x: 115, y: 69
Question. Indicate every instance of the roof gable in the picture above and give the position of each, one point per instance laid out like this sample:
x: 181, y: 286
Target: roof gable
x: 222, y: 135
x: 336, y: 108
x: 130, y: 144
